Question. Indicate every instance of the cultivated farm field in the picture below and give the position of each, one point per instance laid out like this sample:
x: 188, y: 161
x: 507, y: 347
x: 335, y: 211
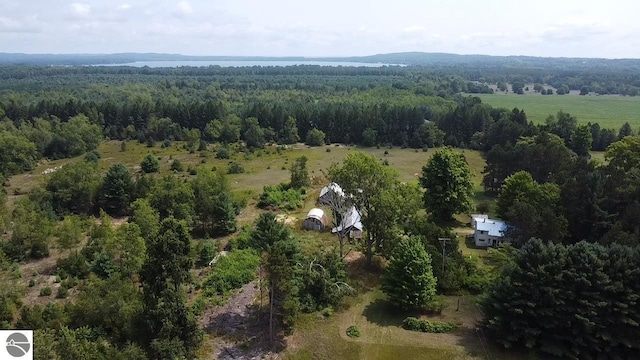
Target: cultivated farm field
x: 610, y: 111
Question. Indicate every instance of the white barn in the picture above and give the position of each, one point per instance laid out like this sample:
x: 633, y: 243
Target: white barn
x: 488, y: 232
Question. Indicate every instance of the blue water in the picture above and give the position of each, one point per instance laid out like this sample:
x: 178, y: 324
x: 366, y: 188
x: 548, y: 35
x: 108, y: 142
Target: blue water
x: 241, y: 63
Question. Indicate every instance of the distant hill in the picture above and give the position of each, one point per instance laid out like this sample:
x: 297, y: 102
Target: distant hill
x: 405, y: 58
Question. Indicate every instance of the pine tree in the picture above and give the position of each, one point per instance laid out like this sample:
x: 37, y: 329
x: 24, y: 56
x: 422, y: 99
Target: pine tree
x: 172, y: 329
x: 299, y: 173
x: 408, y: 281
x: 117, y: 186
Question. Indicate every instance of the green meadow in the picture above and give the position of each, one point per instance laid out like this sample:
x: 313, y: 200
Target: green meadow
x: 610, y: 111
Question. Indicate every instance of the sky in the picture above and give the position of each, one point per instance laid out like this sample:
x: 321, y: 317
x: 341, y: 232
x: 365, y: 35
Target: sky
x: 558, y: 28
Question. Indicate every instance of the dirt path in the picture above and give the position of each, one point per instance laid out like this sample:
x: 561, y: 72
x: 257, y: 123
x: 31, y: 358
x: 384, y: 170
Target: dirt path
x: 239, y: 330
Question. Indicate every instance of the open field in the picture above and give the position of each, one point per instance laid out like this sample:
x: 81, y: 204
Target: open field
x: 263, y: 167
x: 609, y: 111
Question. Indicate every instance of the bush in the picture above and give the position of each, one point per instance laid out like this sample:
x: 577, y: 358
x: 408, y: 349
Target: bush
x: 150, y: 164
x: 435, y: 327
x: 353, y: 331
x: 315, y: 137
x: 232, y: 271
x: 45, y: 291
x: 282, y: 197
x: 92, y: 156
x: 63, y: 292
x: 483, y: 207
x: 207, y: 251
x: 32, y: 283
x: 75, y: 265
x: 176, y: 165
x: 192, y: 170
x: 235, y: 168
x: 242, y: 240
x: 223, y: 153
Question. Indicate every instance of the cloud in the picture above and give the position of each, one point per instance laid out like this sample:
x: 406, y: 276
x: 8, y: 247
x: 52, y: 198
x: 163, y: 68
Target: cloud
x: 183, y: 9
x: 79, y: 10
x: 123, y: 7
x: 30, y: 25
x: 414, y: 29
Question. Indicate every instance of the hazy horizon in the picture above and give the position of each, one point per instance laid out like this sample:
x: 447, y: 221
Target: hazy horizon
x: 280, y: 28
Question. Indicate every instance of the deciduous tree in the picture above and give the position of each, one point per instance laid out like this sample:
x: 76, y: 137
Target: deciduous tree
x: 446, y: 179
x: 364, y: 179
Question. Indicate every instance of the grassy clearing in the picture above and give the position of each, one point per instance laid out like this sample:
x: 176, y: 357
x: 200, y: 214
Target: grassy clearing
x: 382, y: 335
x: 608, y: 110
x: 264, y: 167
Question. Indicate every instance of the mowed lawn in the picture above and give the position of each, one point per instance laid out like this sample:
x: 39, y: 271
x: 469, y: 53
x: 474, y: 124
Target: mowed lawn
x: 383, y: 338
x: 610, y: 111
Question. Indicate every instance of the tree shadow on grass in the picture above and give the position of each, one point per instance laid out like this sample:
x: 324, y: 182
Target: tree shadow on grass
x: 382, y: 313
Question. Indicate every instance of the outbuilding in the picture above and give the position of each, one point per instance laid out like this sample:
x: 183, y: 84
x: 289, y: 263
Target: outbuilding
x: 329, y: 193
x: 351, y: 226
x: 315, y: 220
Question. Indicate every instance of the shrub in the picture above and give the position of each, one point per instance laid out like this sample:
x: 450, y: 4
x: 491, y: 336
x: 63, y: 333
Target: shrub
x: 63, y: 292
x: 32, y: 283
x: 353, y: 331
x: 223, y: 153
x: 75, y: 265
x: 427, y: 326
x: 315, y: 137
x: 45, y: 291
x: 176, y: 165
x: 208, y: 250
x: 192, y: 170
x: 92, y: 156
x: 242, y: 240
x: 282, y: 197
x: 235, y: 168
x: 483, y: 207
x: 232, y: 271
x: 150, y: 164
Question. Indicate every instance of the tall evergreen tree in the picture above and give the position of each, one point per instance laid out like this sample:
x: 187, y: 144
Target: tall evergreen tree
x: 117, y: 186
x: 172, y: 329
x: 299, y: 173
x: 408, y: 281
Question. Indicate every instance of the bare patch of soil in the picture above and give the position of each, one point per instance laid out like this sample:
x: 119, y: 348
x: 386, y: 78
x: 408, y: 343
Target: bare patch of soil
x: 240, y: 330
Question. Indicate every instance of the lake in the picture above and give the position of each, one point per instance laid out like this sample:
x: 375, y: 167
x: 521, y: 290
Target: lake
x: 246, y: 63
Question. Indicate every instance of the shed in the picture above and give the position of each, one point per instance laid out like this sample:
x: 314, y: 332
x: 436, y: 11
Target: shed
x: 350, y: 224
x: 315, y: 220
x: 329, y: 192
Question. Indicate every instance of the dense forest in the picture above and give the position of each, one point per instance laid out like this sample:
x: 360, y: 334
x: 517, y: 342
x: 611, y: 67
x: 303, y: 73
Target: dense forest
x: 540, y: 178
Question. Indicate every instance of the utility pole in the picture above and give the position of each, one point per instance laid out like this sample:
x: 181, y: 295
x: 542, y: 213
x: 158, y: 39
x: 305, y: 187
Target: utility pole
x: 443, y: 241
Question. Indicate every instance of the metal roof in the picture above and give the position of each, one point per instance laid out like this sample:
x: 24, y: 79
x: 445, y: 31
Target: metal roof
x: 491, y: 226
x: 333, y: 187
x: 350, y: 219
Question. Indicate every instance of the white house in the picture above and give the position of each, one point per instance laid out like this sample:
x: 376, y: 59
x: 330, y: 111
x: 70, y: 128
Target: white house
x: 488, y: 232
